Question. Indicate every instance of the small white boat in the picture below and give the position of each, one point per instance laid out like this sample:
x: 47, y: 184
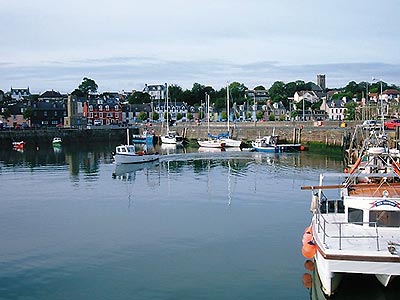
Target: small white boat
x: 127, y: 154
x: 270, y: 143
x: 18, y: 145
x: 231, y: 142
x: 355, y: 225
x: 265, y: 144
x: 211, y: 144
x: 56, y: 141
x: 171, y: 138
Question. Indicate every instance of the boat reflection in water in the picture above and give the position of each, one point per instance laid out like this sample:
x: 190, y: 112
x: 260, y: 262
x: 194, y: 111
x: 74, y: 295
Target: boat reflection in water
x: 127, y: 172
x: 355, y: 287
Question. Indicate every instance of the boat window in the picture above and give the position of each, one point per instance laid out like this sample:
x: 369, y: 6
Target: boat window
x: 355, y: 216
x: 385, y: 218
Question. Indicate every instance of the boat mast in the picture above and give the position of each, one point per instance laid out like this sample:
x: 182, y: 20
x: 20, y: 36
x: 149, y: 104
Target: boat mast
x: 208, y: 112
x: 227, y: 104
x: 167, y: 108
x: 127, y: 136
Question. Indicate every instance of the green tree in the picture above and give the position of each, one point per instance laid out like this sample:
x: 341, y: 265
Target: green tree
x: 27, y: 114
x: 175, y: 92
x: 88, y: 86
x: 179, y: 116
x: 6, y: 114
x: 272, y: 117
x: 142, y: 116
x: 350, y: 112
x: 277, y: 91
x: 155, y: 116
x: 237, y: 92
x: 259, y: 115
x: 198, y: 93
x: 224, y: 116
x: 259, y: 88
x: 139, y: 98
x: 190, y: 116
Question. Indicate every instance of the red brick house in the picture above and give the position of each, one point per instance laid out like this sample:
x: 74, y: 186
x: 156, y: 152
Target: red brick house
x: 102, y: 112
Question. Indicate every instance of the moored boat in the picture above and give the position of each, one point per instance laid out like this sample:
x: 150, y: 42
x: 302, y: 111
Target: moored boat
x: 270, y: 143
x: 355, y: 225
x: 56, y: 141
x: 127, y: 154
x: 19, y: 145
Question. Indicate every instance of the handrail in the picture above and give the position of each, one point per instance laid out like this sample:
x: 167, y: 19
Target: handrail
x: 340, y: 236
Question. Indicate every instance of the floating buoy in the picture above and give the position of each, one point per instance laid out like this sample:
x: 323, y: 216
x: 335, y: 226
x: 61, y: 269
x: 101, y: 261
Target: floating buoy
x: 309, y: 249
x: 309, y: 265
x: 307, y: 236
x: 307, y: 280
x: 302, y: 148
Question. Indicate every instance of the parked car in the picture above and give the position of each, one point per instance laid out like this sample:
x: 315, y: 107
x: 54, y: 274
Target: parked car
x: 371, y: 124
x: 392, y: 124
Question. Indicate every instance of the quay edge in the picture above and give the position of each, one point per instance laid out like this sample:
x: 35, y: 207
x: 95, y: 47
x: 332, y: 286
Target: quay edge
x: 332, y: 133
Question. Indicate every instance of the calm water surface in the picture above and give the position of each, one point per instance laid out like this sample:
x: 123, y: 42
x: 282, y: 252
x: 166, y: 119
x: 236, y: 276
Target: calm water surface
x: 198, y: 225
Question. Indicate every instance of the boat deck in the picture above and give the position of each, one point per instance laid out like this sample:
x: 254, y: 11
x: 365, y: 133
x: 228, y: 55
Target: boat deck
x: 375, y: 190
x: 356, y: 240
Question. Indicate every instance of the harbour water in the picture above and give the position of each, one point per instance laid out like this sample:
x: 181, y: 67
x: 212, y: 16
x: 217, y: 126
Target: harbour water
x: 197, y: 225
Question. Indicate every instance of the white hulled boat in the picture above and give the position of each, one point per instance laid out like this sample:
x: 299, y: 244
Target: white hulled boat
x: 227, y: 140
x: 171, y: 137
x: 210, y: 142
x: 127, y: 154
x: 355, y: 226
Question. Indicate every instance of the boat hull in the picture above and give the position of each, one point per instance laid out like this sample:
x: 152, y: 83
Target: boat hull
x: 142, y: 140
x: 211, y: 144
x: 271, y: 149
x: 231, y: 142
x: 332, y: 263
x: 121, y: 159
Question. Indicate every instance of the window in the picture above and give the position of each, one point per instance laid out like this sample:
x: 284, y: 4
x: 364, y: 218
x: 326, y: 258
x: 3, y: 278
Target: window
x: 385, y: 218
x: 45, y: 113
x: 116, y: 115
x: 55, y: 114
x: 90, y: 107
x: 100, y: 115
x: 355, y: 216
x: 107, y: 108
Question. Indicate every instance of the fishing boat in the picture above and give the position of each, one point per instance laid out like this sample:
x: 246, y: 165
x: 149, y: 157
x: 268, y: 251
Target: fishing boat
x: 127, y: 154
x: 355, y: 225
x: 145, y: 137
x: 270, y: 143
x: 265, y: 144
x: 211, y: 142
x: 56, y: 141
x: 18, y: 145
x: 171, y: 137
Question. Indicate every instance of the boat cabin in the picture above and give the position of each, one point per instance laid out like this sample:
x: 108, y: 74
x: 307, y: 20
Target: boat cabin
x: 125, y: 149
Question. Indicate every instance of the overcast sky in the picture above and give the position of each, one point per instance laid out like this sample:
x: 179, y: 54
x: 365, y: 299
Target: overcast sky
x: 123, y: 44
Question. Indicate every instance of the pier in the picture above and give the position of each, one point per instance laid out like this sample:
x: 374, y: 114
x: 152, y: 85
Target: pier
x: 328, y: 133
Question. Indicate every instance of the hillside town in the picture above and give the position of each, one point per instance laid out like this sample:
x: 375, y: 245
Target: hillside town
x: 86, y: 108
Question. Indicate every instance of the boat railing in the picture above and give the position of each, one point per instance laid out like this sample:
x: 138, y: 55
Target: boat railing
x: 322, y: 223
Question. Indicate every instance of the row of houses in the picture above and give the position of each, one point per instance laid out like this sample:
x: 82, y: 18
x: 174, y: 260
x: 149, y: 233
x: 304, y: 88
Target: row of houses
x: 52, y: 109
